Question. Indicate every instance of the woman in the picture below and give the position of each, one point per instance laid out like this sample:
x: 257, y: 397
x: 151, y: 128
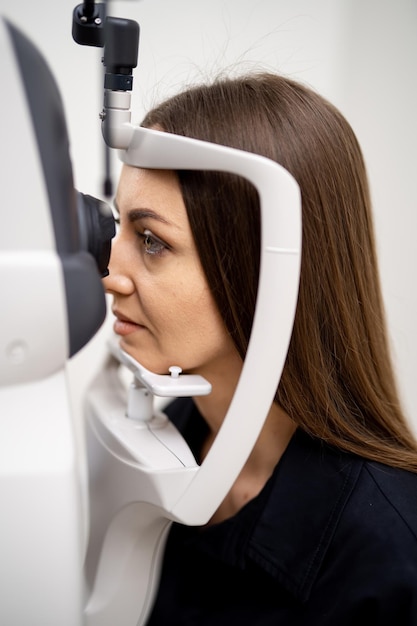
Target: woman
x: 321, y: 525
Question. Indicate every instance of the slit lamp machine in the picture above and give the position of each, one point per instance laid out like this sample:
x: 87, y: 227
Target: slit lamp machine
x: 84, y: 519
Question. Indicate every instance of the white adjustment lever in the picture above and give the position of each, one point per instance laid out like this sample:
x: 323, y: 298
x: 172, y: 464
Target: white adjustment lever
x: 175, y: 371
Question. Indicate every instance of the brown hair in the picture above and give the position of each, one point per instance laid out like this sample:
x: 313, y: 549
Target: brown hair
x: 338, y: 382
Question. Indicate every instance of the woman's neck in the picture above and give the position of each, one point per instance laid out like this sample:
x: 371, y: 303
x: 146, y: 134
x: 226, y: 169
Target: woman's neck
x: 267, y: 451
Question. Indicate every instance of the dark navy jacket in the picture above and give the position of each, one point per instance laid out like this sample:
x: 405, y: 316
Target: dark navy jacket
x: 330, y: 541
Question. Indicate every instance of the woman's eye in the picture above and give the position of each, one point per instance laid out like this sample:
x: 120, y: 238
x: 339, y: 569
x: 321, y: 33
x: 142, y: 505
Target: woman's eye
x: 152, y: 244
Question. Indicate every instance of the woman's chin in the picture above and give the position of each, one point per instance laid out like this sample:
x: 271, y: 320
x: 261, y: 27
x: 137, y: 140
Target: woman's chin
x: 153, y: 365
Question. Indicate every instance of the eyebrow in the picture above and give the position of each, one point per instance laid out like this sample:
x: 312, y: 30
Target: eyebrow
x: 138, y: 214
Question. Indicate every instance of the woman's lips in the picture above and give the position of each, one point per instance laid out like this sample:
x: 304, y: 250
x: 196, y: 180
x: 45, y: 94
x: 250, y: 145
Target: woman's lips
x: 124, y: 326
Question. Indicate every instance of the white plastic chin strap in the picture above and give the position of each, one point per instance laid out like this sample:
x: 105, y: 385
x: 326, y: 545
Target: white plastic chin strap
x: 142, y: 474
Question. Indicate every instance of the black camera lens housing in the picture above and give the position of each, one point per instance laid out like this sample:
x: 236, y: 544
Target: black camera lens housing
x: 97, y: 229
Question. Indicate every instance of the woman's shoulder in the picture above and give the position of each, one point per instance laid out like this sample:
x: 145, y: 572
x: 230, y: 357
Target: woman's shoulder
x: 373, y: 552
x: 374, y: 546
x: 385, y: 500
x: 374, y: 494
x: 379, y: 501
x: 341, y: 524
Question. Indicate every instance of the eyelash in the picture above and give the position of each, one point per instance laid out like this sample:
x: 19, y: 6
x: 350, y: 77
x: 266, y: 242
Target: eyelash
x: 149, y: 239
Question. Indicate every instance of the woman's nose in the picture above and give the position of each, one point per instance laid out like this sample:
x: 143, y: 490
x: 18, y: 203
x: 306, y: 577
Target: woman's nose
x: 118, y: 279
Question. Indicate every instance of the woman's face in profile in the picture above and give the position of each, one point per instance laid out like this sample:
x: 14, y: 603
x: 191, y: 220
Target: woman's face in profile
x: 165, y: 313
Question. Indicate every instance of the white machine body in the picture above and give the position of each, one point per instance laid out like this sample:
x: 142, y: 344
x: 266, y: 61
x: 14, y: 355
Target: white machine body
x: 74, y: 553
x: 43, y: 491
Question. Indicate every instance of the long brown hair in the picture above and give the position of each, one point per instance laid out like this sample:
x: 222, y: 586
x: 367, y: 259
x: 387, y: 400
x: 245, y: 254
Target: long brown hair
x: 338, y: 382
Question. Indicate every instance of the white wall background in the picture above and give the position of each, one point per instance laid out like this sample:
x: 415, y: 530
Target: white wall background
x: 360, y: 54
